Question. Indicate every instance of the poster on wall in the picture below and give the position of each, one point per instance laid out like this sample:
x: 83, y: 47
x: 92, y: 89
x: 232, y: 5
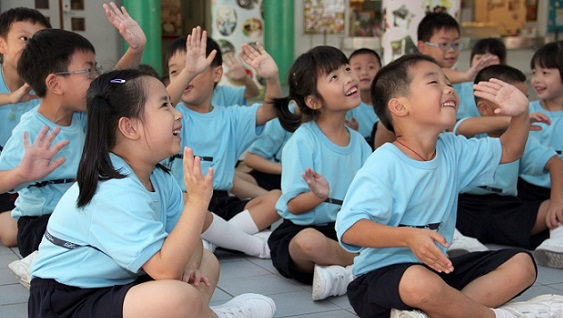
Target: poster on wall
x: 237, y: 22
x: 400, y: 22
x: 324, y: 16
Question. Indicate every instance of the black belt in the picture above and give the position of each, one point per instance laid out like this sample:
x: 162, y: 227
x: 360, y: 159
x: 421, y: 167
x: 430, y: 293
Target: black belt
x: 492, y: 189
x: 48, y: 182
x: 66, y: 244
x: 334, y: 201
x: 180, y: 156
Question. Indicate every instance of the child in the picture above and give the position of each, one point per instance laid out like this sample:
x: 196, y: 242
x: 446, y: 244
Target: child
x: 133, y: 245
x: 36, y: 162
x: 547, y: 81
x: 481, y: 49
x: 59, y: 65
x: 399, y: 212
x: 17, y: 26
x: 264, y: 155
x: 229, y: 96
x: 365, y: 63
x: 439, y: 37
x: 318, y: 163
x: 228, y: 132
x: 492, y: 213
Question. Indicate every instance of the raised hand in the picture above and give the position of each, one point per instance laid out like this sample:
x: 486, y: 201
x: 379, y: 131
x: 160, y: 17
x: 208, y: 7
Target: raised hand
x: 317, y: 183
x: 198, y: 187
x: 538, y: 117
x: 259, y: 60
x: 36, y: 162
x: 237, y: 71
x: 511, y: 100
x: 128, y: 28
x: 196, y: 45
x: 487, y: 60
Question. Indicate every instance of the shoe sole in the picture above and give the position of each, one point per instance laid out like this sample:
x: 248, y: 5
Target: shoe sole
x: 21, y: 279
x: 549, y: 258
x: 395, y: 313
x: 316, y: 285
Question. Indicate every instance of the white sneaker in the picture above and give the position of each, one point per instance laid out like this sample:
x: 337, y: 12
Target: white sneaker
x: 246, y: 306
x: 263, y: 237
x: 22, y: 269
x: 548, y: 306
x: 331, y: 281
x: 550, y: 253
x: 208, y: 245
x: 462, y: 244
x: 396, y: 313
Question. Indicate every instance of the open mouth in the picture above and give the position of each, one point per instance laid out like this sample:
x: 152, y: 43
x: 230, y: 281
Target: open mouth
x: 352, y: 91
x: 449, y: 104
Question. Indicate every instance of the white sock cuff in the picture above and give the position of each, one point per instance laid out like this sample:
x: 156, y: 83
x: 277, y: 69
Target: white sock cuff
x: 244, y: 221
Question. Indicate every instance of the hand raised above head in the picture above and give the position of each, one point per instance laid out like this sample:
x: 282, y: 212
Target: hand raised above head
x: 128, y: 28
x: 511, y: 101
x: 259, y: 60
x: 196, y: 45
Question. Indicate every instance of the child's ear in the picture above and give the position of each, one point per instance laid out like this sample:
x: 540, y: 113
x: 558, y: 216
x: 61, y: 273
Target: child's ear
x: 217, y: 74
x: 3, y: 45
x: 421, y: 47
x: 484, y: 108
x: 53, y: 84
x: 397, y: 107
x: 128, y: 128
x: 312, y: 102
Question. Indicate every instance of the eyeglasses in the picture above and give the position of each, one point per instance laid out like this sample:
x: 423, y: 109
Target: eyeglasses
x: 446, y: 46
x: 91, y: 72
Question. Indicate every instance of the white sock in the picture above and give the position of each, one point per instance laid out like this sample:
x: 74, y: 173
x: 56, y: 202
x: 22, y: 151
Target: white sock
x: 503, y: 313
x: 244, y: 221
x: 225, y: 235
x: 556, y: 233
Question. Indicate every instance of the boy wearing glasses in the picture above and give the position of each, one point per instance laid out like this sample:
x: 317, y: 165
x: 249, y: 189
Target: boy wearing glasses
x: 59, y: 66
x: 439, y: 37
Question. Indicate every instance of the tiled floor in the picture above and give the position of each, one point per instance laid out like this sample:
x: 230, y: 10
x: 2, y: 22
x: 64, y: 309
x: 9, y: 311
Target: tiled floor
x: 240, y: 274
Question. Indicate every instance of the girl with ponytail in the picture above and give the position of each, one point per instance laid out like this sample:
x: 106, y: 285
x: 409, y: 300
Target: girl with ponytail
x: 318, y: 164
x: 121, y: 242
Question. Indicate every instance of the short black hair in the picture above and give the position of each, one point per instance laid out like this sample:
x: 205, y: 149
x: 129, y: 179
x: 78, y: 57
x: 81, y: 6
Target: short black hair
x: 49, y: 51
x: 502, y: 72
x: 550, y: 55
x: 148, y: 70
x: 394, y: 80
x: 21, y: 14
x: 366, y: 51
x: 489, y: 45
x: 433, y: 22
x: 179, y: 45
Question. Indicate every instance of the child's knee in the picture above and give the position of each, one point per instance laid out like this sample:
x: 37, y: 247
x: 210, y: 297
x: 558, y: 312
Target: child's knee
x: 308, y: 241
x: 523, y: 267
x: 419, y: 285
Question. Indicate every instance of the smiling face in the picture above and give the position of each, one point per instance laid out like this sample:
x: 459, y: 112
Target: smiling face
x: 432, y: 99
x: 365, y: 66
x: 447, y: 58
x: 200, y: 90
x: 339, y: 89
x: 162, y: 123
x: 547, y: 83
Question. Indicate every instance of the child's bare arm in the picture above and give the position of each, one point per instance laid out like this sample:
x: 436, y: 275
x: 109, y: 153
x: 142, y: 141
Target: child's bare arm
x: 131, y: 33
x: 196, y: 62
x: 237, y: 72
x: 482, y: 125
x: 512, y: 102
x: 18, y: 96
x: 184, y: 241
x: 320, y: 190
x: 262, y: 164
x: 421, y: 242
x: 266, y: 67
x: 36, y: 162
x: 555, y: 209
x: 459, y: 77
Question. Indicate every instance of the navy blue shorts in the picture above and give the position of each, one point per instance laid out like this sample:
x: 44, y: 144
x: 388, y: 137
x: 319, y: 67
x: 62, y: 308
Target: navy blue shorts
x: 266, y: 181
x: 50, y: 299
x: 31, y: 230
x: 7, y: 202
x: 279, y: 248
x: 226, y: 206
x: 532, y: 192
x: 374, y: 294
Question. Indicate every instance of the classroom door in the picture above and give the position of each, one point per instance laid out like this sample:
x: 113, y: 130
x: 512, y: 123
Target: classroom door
x: 85, y: 17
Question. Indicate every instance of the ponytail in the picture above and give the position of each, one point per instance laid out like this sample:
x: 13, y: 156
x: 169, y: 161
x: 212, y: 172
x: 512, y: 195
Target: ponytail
x: 110, y: 97
x: 288, y: 120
